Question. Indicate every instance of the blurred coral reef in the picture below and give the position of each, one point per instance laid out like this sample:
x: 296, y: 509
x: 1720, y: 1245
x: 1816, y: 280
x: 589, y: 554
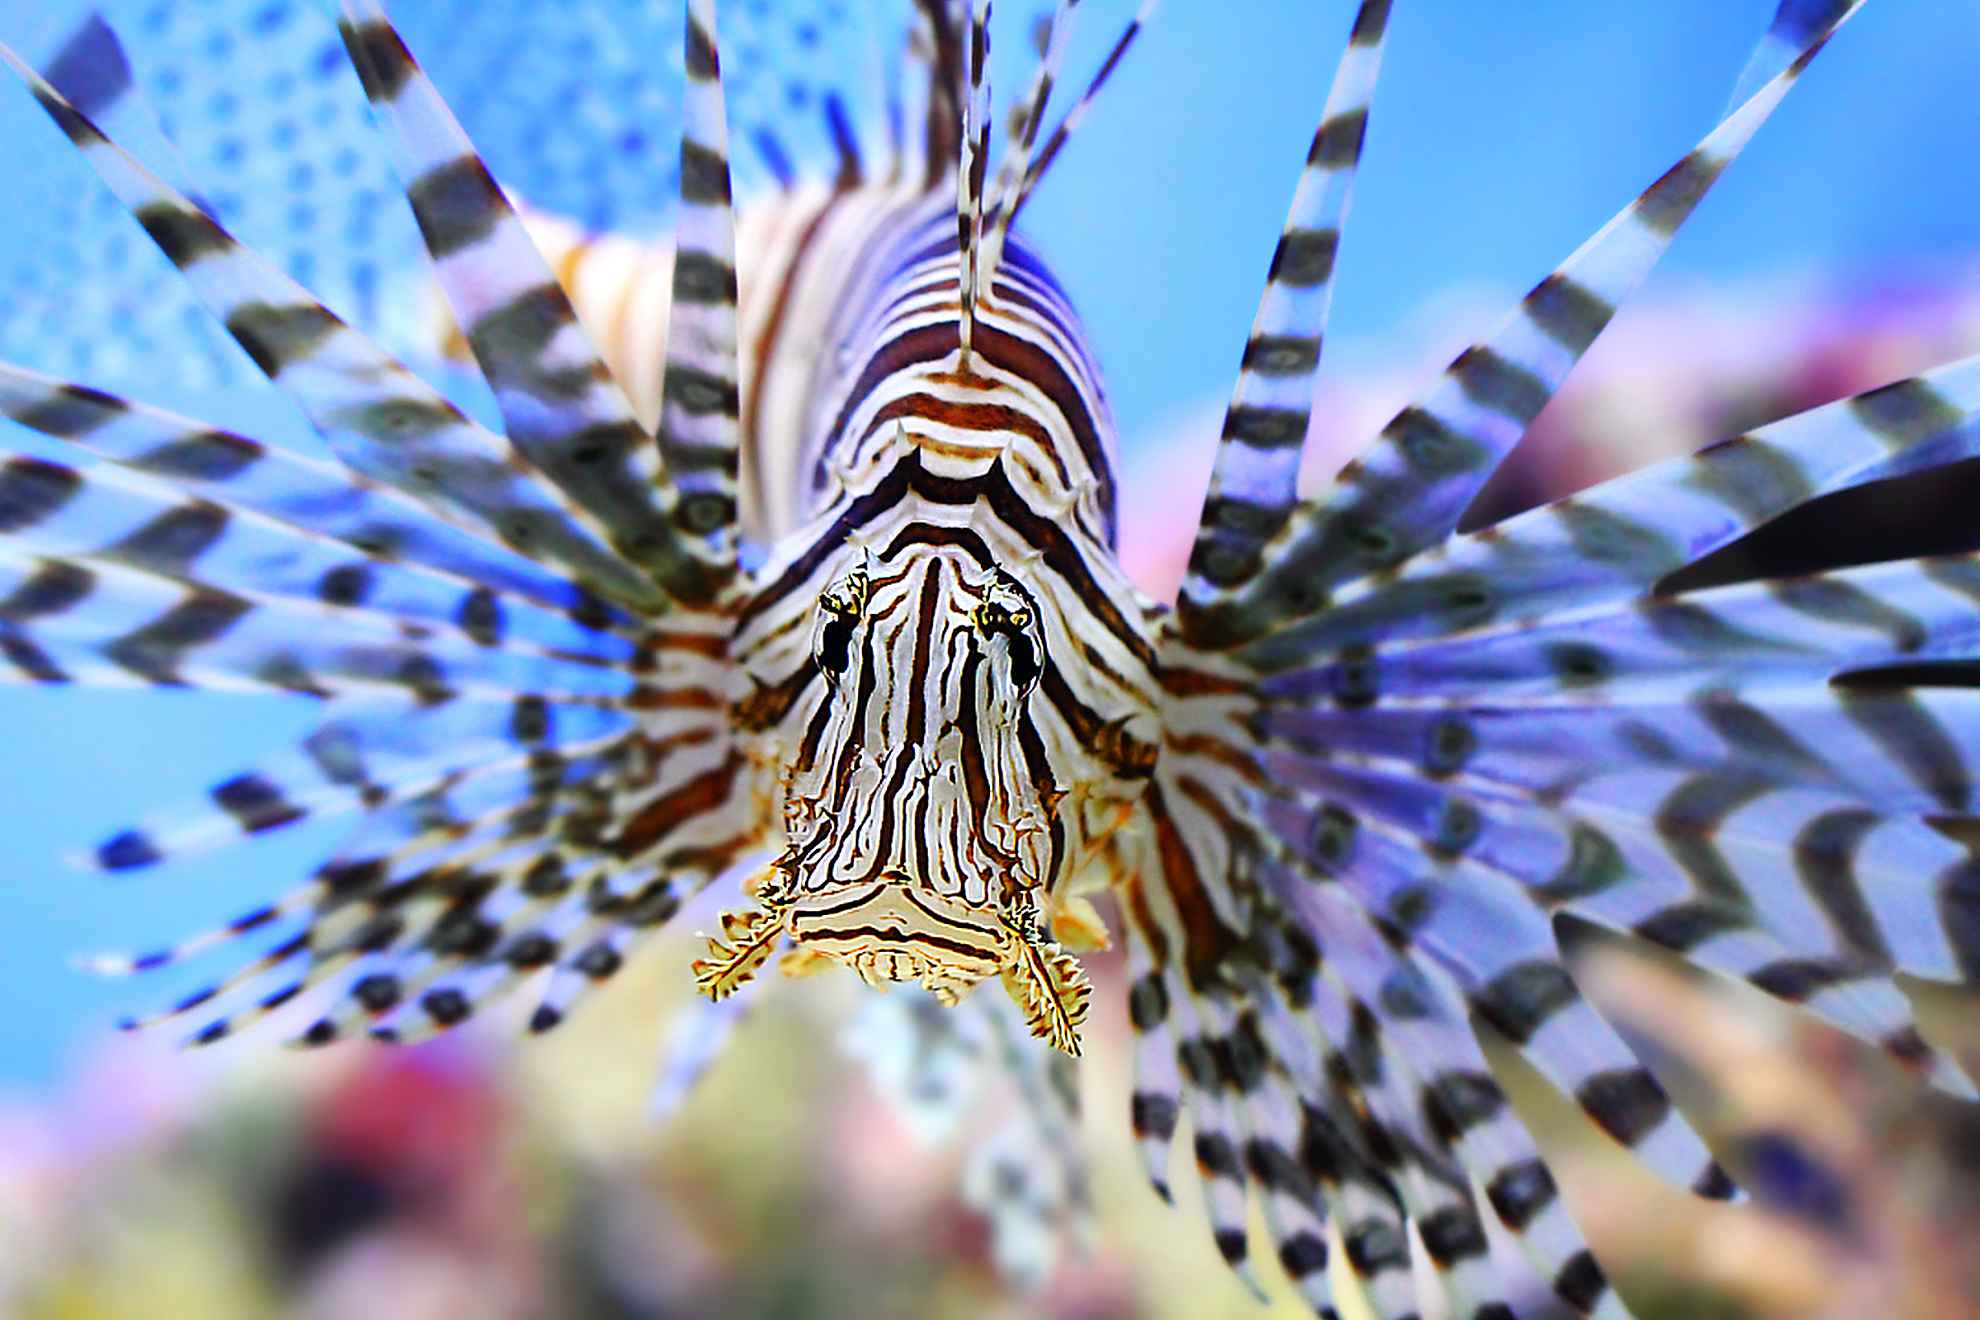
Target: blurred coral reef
x: 476, y: 1178
x: 794, y: 1176
x: 1865, y: 1183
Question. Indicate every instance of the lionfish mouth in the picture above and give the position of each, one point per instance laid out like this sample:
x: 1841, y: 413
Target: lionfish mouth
x: 894, y: 929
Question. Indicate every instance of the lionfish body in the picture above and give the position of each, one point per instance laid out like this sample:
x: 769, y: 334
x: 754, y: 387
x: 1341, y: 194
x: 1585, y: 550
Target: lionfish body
x: 792, y: 561
x: 945, y: 659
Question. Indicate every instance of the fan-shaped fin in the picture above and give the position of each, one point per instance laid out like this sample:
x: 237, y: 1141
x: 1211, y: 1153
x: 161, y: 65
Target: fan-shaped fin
x: 1897, y: 749
x: 1923, y: 615
x: 378, y: 416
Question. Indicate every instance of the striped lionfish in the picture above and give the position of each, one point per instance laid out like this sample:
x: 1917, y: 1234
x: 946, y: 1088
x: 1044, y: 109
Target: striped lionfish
x: 789, y: 557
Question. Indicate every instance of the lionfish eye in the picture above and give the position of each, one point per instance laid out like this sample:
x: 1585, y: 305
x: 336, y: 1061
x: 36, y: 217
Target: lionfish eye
x: 1024, y: 661
x: 1010, y: 624
x: 835, y: 646
x: 832, y: 647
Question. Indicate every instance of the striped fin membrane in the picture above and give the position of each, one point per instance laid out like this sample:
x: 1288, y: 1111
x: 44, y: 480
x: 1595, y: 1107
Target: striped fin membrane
x: 1395, y: 760
x: 384, y: 908
x: 1407, y: 491
x: 1604, y: 547
x: 393, y: 533
x: 368, y: 755
x: 477, y: 720
x: 377, y: 416
x: 701, y: 396
x: 1517, y: 982
x: 508, y: 716
x: 94, y: 552
x: 560, y: 406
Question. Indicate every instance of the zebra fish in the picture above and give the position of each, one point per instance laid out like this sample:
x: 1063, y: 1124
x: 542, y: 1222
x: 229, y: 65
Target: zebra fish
x: 784, y: 558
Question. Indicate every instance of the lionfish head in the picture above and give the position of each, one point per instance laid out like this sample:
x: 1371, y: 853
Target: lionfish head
x: 920, y: 807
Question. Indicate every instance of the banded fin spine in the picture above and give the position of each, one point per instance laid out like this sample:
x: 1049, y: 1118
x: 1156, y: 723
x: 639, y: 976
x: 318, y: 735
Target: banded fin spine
x: 86, y: 526
x: 560, y: 406
x: 1254, y: 483
x: 442, y: 837
x: 1372, y: 840
x: 1749, y: 636
x: 972, y: 162
x: 366, y: 756
x: 1388, y: 1041
x: 1796, y: 26
x: 701, y: 392
x: 941, y: 52
x: 1436, y: 904
x: 96, y: 619
x: 311, y: 498
x: 1407, y: 491
x: 89, y: 66
x: 1605, y: 545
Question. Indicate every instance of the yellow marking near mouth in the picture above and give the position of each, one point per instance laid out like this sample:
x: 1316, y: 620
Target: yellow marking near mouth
x: 751, y: 935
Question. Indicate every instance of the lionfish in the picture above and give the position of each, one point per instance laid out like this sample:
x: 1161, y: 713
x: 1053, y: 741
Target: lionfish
x: 786, y: 556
